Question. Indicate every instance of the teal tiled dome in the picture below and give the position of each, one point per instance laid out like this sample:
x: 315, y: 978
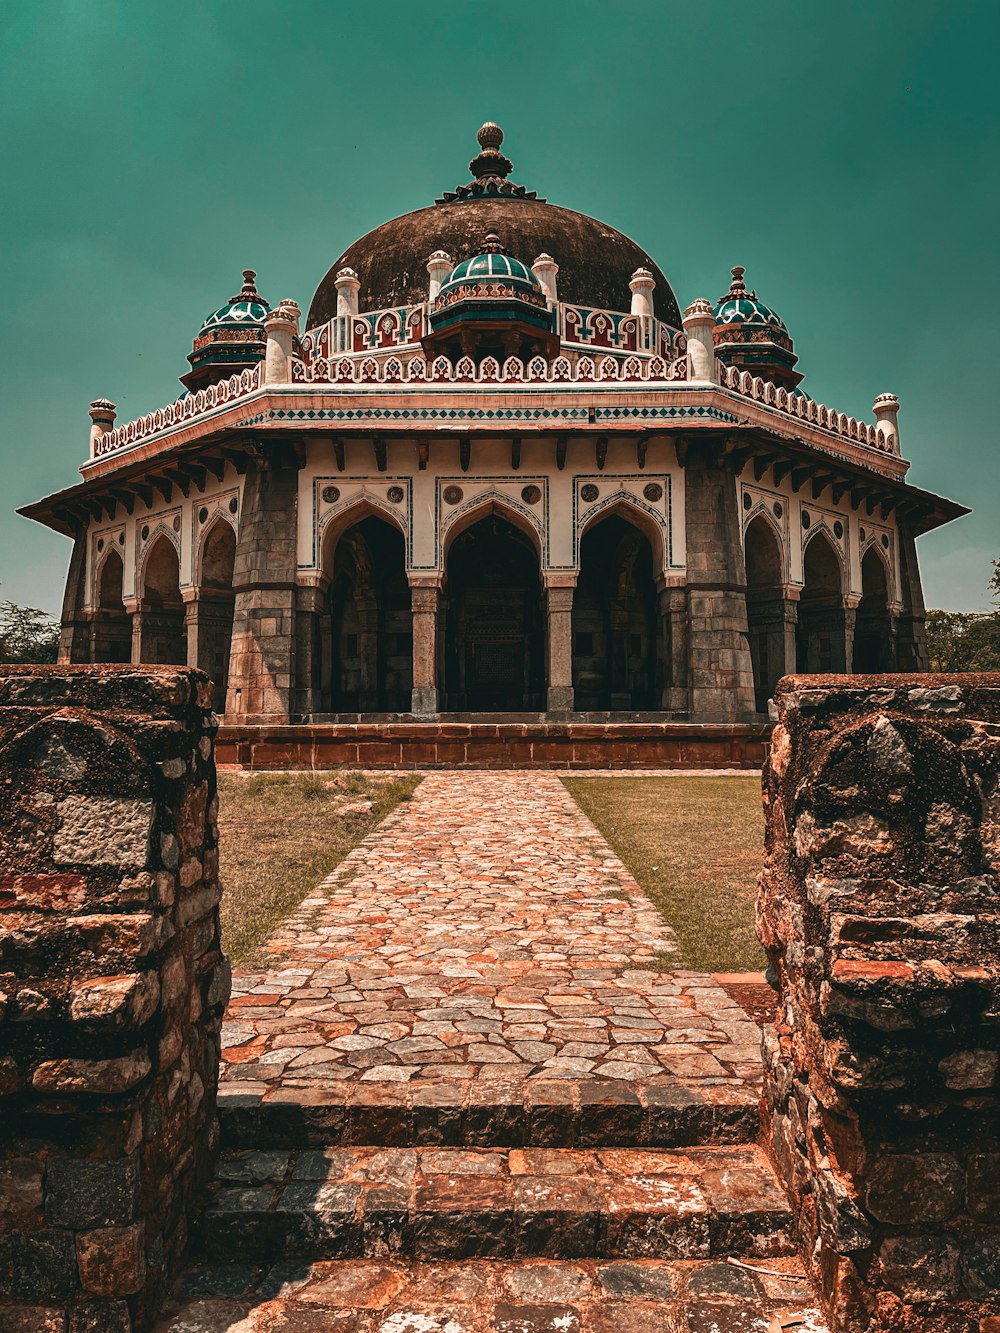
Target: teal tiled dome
x: 489, y: 268
x: 244, y: 310
x: 739, y: 306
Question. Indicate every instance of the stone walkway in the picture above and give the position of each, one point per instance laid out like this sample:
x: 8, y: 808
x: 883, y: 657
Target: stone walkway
x: 485, y: 932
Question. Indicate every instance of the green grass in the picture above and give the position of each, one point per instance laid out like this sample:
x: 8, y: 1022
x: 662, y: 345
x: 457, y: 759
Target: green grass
x: 695, y: 846
x: 281, y: 833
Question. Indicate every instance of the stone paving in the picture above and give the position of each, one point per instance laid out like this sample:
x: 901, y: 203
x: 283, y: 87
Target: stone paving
x: 485, y: 932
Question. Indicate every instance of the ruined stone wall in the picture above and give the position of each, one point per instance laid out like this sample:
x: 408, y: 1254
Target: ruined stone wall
x: 112, y: 987
x: 880, y: 912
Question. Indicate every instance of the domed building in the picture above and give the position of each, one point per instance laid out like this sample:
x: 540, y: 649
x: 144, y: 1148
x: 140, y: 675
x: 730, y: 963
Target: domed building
x: 496, y: 476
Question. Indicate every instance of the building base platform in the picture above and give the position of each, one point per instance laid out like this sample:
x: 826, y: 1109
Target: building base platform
x: 491, y: 744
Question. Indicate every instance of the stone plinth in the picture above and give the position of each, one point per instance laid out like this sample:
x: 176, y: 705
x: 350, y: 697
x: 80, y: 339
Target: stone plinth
x: 112, y: 987
x: 880, y: 912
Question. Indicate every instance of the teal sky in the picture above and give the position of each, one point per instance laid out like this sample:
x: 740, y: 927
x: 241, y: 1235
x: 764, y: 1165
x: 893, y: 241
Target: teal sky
x: 846, y: 153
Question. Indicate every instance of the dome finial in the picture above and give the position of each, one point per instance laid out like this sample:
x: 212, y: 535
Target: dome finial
x: 491, y: 244
x: 248, y: 292
x: 738, y: 286
x: 490, y: 162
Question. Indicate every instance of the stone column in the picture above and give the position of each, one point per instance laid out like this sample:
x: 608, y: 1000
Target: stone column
x: 308, y: 650
x: 673, y: 609
x: 114, y: 988
x: 790, y: 608
x: 850, y: 620
x: 262, y: 659
x: 720, y: 674
x: 559, y: 590
x: 911, y: 636
x: 74, y: 634
x: 425, y: 600
x: 133, y: 605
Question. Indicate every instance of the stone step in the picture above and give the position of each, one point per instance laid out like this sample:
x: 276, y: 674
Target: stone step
x: 530, y: 1113
x: 443, y: 1203
x: 495, y: 1296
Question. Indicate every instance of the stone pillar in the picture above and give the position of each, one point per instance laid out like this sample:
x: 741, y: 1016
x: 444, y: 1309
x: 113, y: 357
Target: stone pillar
x: 262, y: 658
x: 790, y: 609
x: 886, y: 411
x: 878, y: 911
x: 720, y: 674
x: 673, y: 606
x: 850, y: 622
x: 281, y: 327
x: 699, y: 325
x: 559, y: 589
x: 545, y: 269
x: 308, y: 650
x: 114, y: 988
x: 74, y: 633
x: 641, y: 286
x: 425, y: 600
x: 348, y: 284
x: 911, y: 636
x: 438, y: 267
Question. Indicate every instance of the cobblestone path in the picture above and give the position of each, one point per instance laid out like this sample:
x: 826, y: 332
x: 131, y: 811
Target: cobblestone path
x: 484, y: 932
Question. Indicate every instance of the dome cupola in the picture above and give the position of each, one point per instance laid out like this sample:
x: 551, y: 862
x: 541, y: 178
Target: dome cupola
x: 491, y: 305
x: 231, y: 338
x: 750, y: 335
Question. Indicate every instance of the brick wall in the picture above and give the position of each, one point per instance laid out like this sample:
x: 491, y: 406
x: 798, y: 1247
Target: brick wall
x: 112, y: 987
x: 880, y: 912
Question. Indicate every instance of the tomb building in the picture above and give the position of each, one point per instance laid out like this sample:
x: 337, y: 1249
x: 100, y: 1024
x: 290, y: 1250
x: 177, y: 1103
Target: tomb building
x: 495, y: 470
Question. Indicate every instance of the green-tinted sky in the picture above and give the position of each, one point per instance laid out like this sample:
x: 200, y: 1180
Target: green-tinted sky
x: 846, y: 153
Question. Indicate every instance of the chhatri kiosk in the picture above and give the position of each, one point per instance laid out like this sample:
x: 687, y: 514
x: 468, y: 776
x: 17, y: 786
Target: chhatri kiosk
x: 496, y: 473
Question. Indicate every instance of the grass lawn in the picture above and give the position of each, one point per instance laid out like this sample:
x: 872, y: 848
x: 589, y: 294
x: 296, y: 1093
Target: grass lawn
x: 281, y: 833
x: 695, y: 846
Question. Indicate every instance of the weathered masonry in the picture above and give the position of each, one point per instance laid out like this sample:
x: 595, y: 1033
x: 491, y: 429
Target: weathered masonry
x: 112, y: 989
x: 880, y: 910
x: 497, y: 472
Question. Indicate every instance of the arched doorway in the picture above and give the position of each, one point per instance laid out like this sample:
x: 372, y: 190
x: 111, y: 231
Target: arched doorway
x: 112, y: 631
x: 821, y: 641
x: 494, y: 644
x: 615, y: 622
x: 367, y: 628
x: 765, y: 608
x: 215, y: 606
x: 874, y: 649
x: 161, y: 609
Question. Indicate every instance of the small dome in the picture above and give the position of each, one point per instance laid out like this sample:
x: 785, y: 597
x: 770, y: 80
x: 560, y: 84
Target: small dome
x: 244, y: 310
x: 490, y: 273
x: 739, y: 306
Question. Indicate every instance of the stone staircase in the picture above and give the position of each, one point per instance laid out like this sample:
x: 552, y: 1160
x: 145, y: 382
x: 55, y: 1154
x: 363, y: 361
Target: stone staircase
x: 458, y: 1208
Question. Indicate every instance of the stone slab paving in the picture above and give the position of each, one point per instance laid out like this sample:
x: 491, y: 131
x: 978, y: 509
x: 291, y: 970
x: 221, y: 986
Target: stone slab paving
x: 530, y: 1296
x: 486, y: 934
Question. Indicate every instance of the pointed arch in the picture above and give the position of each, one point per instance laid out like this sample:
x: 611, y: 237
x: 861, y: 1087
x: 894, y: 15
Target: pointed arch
x: 821, y: 643
x: 111, y: 633
x: 486, y: 504
x: 617, y: 655
x: 627, y: 506
x: 494, y: 625
x: 364, y: 655
x: 764, y: 560
x: 874, y: 632
x: 161, y: 609
x: 338, y: 521
x: 212, y: 633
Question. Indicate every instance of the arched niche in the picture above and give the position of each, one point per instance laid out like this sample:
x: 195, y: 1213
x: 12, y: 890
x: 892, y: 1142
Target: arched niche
x: 365, y: 654
x: 494, y: 624
x: 162, y: 637
x: 821, y: 639
x: 766, y: 607
x: 874, y: 640
x: 216, y: 600
x: 112, y: 628
x: 616, y: 635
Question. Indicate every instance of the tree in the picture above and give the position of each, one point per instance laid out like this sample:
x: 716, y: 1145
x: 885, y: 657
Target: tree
x: 27, y: 634
x: 966, y: 640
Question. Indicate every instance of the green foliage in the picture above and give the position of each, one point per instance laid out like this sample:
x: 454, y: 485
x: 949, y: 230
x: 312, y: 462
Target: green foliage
x: 966, y: 640
x: 27, y: 634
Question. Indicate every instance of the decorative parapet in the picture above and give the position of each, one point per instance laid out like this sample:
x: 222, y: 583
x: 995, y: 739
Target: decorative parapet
x: 417, y: 370
x: 175, y: 414
x: 805, y: 409
x: 879, y: 909
x: 112, y: 988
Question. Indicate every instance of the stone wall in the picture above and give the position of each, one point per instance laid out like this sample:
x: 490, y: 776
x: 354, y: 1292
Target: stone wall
x: 112, y: 987
x: 879, y: 909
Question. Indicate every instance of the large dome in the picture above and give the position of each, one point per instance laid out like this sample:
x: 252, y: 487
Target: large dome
x: 595, y: 261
